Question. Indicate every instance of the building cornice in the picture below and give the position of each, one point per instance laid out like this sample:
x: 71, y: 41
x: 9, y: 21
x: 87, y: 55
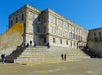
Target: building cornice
x: 24, y: 8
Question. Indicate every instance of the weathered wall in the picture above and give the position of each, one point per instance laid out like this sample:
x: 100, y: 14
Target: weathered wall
x: 12, y: 38
x: 95, y: 46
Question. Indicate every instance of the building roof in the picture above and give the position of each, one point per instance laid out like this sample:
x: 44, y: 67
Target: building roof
x: 24, y: 7
x: 72, y: 23
x: 96, y: 29
x: 48, y: 9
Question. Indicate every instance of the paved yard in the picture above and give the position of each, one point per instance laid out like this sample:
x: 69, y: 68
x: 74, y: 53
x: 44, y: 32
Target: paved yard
x: 84, y: 67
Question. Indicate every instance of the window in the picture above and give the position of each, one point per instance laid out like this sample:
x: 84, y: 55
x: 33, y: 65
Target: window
x: 38, y: 29
x: 44, y: 29
x: 66, y: 42
x: 66, y: 34
x: 60, y: 31
x: 80, y: 31
x: 22, y: 17
x: 52, y: 19
x: 59, y: 22
x: 11, y: 22
x: 70, y: 43
x: 44, y: 19
x: 74, y: 44
x: 60, y: 41
x: 44, y: 39
x: 16, y: 19
x: 81, y: 38
x: 31, y: 16
x: 70, y: 34
x: 77, y: 37
x: 65, y: 26
x: 76, y: 30
x: 73, y: 36
x: 70, y: 27
x: 100, y: 33
x: 39, y: 18
x: 54, y: 40
x: 53, y: 29
x: 94, y: 34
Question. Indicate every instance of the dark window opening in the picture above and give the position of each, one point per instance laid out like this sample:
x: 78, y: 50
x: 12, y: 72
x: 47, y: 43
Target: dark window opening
x: 71, y: 43
x: 100, y: 33
x: 94, y: 34
x: 44, y: 40
x: 16, y: 19
x: 22, y: 17
x: 60, y: 41
x: 39, y: 18
x: 44, y: 29
x: 38, y: 29
x: 54, y: 40
x: 11, y: 22
x: 66, y: 42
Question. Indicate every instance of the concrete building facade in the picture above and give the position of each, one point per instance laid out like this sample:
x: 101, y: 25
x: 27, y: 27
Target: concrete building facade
x: 95, y: 34
x: 42, y: 27
x: 94, y: 42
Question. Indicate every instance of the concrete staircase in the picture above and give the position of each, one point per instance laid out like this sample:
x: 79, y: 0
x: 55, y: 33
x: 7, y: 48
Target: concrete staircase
x: 43, y: 54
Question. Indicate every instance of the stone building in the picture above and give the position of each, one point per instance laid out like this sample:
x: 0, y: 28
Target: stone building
x: 42, y: 27
x: 94, y: 42
x: 95, y: 34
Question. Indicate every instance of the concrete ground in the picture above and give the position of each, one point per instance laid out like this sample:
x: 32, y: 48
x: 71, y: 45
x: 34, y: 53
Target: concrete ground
x: 84, y: 67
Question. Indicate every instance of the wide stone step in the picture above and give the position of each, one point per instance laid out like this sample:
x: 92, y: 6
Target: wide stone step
x: 53, y: 51
x: 41, y: 59
x: 32, y: 54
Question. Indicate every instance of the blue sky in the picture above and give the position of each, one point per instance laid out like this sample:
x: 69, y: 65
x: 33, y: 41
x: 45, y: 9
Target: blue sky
x: 85, y: 13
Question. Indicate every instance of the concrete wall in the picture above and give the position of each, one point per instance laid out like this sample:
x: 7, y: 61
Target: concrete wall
x: 95, y: 46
